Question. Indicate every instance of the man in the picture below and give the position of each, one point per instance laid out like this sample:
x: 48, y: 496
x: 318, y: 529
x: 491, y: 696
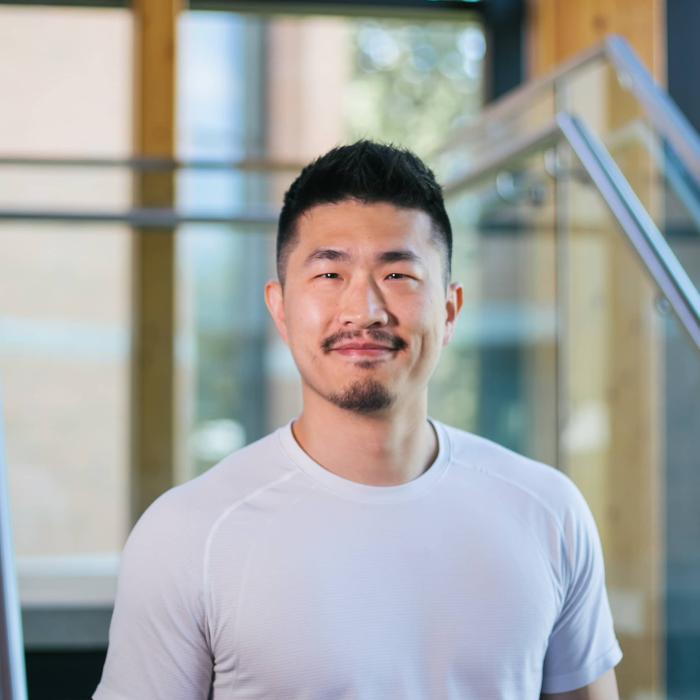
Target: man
x: 364, y: 551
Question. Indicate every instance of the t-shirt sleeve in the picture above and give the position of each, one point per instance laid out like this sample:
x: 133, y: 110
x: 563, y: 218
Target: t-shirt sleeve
x: 582, y: 645
x: 158, y: 640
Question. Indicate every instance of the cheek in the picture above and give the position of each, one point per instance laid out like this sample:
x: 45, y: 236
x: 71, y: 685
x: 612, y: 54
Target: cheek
x: 307, y: 321
x: 426, y: 315
x: 431, y: 322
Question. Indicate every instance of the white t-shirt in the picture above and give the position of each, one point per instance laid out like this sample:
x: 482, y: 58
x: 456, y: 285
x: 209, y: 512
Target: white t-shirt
x: 271, y: 577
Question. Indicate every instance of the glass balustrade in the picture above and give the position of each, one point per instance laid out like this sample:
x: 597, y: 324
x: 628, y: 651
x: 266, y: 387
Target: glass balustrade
x: 609, y: 90
x: 607, y: 378
x: 496, y: 378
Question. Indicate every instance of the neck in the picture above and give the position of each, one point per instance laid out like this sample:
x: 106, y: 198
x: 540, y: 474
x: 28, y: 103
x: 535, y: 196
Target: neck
x: 379, y: 450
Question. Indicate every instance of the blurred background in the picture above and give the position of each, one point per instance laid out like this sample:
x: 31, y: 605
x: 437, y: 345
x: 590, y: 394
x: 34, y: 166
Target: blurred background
x: 144, y: 153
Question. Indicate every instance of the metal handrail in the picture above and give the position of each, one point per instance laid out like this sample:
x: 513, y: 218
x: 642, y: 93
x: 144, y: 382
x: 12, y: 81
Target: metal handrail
x: 636, y: 224
x: 662, y: 111
x: 639, y: 228
x: 12, y: 674
x: 659, y: 107
x: 496, y: 160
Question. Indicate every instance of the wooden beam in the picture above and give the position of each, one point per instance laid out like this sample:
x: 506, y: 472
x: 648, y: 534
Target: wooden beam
x: 153, y: 368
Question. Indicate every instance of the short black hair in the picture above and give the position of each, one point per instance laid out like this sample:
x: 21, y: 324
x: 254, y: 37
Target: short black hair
x: 368, y: 172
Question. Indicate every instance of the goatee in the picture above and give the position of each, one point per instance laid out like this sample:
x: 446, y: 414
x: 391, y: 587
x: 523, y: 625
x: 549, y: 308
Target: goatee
x: 364, y: 397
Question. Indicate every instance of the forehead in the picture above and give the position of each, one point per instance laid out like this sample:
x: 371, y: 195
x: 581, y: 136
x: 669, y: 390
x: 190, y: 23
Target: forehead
x: 353, y: 224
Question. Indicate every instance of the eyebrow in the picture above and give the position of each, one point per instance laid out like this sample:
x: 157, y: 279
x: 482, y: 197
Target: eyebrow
x: 388, y: 256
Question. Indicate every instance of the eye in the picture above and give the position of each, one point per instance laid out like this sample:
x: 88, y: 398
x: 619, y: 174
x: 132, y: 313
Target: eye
x: 398, y: 276
x: 328, y: 275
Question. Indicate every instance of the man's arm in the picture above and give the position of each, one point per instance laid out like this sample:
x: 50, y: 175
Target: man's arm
x: 582, y: 648
x: 158, y: 638
x: 604, y: 688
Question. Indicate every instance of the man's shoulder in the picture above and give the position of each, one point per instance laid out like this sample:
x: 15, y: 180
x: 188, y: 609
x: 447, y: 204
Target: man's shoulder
x: 166, y: 548
x: 510, y: 472
x: 194, y: 506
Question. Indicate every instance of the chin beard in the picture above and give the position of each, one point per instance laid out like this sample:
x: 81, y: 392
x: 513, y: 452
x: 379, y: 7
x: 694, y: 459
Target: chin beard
x: 363, y: 397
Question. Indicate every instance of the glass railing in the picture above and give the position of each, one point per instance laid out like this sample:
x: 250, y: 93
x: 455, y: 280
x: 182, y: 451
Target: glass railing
x: 575, y: 207
x: 612, y: 94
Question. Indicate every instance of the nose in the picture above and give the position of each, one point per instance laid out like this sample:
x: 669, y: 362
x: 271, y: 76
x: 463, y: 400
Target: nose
x: 362, y: 305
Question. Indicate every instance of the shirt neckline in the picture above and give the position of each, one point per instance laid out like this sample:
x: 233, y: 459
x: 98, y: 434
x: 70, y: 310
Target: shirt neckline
x: 354, y: 490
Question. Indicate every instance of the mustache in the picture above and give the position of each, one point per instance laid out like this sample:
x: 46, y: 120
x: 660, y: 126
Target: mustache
x: 378, y: 336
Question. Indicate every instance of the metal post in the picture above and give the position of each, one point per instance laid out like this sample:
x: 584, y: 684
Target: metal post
x: 13, y: 684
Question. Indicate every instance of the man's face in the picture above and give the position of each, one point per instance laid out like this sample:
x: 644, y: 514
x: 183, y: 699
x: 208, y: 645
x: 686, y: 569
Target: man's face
x: 364, y: 308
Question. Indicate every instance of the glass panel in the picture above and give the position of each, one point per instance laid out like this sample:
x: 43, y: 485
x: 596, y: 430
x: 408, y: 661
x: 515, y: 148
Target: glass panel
x: 602, y: 98
x: 681, y: 424
x: 47, y: 110
x: 236, y: 383
x: 629, y: 377
x: 476, y: 139
x: 64, y: 359
x: 65, y: 300
x: 616, y: 392
x: 410, y: 83
x: 611, y: 422
x: 498, y: 377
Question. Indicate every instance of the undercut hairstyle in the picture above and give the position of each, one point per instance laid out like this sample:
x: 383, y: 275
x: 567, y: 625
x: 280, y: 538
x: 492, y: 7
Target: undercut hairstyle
x: 370, y: 173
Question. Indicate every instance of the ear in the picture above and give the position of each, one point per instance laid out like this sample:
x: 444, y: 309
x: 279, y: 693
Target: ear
x: 274, y: 299
x: 453, y: 305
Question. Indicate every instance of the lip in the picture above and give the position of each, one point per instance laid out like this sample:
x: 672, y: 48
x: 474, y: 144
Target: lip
x: 362, y: 346
x: 363, y: 350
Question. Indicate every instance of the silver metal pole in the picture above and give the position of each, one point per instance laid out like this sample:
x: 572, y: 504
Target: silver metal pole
x: 640, y: 229
x: 635, y: 223
x: 662, y: 111
x: 13, y: 684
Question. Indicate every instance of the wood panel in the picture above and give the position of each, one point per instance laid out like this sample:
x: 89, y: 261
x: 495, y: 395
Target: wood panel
x: 153, y: 395
x: 559, y: 29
